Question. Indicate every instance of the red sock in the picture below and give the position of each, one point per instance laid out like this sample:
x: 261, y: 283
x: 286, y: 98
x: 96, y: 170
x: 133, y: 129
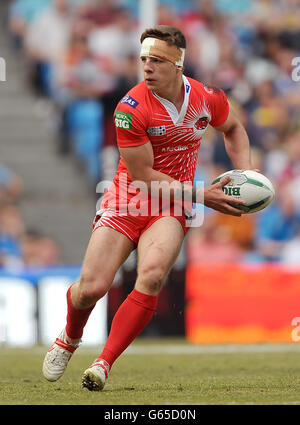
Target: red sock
x: 76, y: 319
x: 130, y: 320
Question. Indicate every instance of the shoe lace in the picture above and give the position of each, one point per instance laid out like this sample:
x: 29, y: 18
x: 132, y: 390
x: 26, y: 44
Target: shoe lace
x: 61, y: 358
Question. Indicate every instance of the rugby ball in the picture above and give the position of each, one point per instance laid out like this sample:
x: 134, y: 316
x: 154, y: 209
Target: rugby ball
x: 252, y: 187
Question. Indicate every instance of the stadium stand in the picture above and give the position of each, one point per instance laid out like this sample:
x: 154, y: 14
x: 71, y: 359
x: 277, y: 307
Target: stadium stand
x: 52, y: 200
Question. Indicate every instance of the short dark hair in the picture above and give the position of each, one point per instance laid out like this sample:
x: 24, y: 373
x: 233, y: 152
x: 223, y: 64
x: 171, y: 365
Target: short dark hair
x: 167, y: 33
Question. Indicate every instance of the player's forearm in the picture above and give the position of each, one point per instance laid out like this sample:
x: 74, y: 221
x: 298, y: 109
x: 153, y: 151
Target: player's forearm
x: 238, y: 147
x: 163, y: 185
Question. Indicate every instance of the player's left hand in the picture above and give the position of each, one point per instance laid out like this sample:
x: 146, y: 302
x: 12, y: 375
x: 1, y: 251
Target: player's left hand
x: 215, y: 198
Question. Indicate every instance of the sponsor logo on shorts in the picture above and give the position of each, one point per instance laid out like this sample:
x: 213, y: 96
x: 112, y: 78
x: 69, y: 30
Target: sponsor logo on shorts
x: 123, y: 120
x: 130, y: 101
x: 157, y: 131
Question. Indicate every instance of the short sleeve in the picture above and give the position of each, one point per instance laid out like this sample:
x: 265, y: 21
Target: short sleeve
x: 131, y: 127
x: 219, y: 106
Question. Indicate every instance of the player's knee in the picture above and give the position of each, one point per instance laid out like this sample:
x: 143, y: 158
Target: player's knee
x: 91, y: 289
x: 151, y: 278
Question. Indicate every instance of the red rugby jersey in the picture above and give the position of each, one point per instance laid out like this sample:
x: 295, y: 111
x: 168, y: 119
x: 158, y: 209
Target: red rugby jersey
x: 142, y: 116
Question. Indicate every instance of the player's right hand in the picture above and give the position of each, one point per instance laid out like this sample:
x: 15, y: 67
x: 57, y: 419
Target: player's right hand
x: 215, y: 198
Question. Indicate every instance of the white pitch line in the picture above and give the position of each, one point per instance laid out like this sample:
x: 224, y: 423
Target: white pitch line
x: 213, y: 349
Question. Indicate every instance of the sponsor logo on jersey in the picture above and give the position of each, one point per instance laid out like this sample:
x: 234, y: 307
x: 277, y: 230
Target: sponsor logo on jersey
x: 183, y: 130
x: 201, y: 124
x: 181, y: 147
x: 157, y: 131
x: 175, y: 148
x: 187, y: 88
x: 123, y: 120
x: 130, y: 101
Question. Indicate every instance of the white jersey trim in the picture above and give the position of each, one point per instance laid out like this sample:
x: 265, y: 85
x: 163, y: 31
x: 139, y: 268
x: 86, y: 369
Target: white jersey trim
x: 177, y: 117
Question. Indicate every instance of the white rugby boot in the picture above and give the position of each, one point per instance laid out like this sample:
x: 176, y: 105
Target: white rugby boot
x: 96, y: 375
x: 57, y: 358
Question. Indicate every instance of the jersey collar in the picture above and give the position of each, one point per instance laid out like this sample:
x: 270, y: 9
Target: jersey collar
x: 177, y: 117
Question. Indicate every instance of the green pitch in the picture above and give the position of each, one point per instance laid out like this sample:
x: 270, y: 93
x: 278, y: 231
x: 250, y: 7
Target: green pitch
x: 160, y: 372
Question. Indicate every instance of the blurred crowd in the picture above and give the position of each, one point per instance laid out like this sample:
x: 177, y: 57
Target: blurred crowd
x: 21, y: 247
x: 82, y: 55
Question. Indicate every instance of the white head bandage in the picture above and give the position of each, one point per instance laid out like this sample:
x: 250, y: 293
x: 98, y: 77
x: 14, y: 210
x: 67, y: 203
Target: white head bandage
x: 161, y: 49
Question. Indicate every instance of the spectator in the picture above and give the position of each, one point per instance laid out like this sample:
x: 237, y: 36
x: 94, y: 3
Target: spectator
x: 13, y: 233
x: 83, y: 79
x: 39, y: 251
x: 99, y: 13
x: 290, y: 253
x: 12, y: 230
x: 212, y: 243
x: 45, y: 41
x: 21, y: 248
x: 268, y: 115
x: 11, y: 185
x: 117, y: 41
x: 277, y: 225
x: 21, y: 14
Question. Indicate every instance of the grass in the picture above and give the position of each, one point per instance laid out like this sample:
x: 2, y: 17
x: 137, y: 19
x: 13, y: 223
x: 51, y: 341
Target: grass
x: 154, y: 378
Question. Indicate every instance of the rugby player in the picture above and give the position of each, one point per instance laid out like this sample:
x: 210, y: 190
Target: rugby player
x: 159, y: 125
